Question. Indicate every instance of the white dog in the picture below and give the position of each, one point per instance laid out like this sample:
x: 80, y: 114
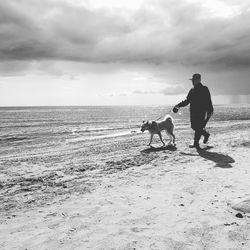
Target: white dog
x: 155, y: 127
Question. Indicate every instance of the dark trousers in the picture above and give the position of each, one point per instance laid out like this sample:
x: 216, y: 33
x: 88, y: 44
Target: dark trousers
x: 198, y: 133
x: 198, y: 125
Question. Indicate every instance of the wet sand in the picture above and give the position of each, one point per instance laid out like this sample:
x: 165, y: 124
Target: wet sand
x: 117, y: 193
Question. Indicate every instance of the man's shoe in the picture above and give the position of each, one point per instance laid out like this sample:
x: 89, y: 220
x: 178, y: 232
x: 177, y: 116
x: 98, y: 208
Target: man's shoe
x: 195, y: 145
x: 206, y: 137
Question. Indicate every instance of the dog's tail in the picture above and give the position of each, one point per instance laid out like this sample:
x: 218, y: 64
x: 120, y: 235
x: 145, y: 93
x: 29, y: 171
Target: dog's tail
x: 168, y: 117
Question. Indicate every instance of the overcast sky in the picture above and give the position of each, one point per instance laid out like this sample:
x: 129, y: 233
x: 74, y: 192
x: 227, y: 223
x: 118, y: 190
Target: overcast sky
x: 108, y: 52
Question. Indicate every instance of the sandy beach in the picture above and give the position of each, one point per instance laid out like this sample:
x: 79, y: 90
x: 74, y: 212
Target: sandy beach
x: 80, y: 80
x: 117, y: 193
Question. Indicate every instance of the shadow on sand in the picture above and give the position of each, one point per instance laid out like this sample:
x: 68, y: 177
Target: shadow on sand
x: 153, y: 149
x: 221, y: 160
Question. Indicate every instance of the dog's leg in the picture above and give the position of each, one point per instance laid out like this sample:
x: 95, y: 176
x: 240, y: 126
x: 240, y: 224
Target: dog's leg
x: 161, y: 138
x: 170, y: 133
x: 172, y: 138
x: 151, y: 137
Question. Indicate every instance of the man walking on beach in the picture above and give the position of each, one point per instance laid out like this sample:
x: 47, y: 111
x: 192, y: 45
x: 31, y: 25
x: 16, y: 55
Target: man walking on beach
x: 201, y: 109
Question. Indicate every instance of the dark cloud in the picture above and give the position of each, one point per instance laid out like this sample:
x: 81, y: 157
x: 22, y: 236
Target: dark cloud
x: 161, y: 34
x: 61, y: 31
x: 169, y: 32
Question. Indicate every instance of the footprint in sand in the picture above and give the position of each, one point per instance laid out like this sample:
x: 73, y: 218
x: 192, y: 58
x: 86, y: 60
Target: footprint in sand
x: 54, y: 225
x: 75, y: 223
x: 138, y: 229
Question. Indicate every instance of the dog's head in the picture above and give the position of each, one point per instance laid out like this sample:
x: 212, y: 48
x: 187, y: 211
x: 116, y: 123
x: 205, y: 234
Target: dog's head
x: 144, y: 126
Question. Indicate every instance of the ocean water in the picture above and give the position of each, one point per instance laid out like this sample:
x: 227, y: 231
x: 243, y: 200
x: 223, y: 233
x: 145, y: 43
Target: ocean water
x: 31, y: 124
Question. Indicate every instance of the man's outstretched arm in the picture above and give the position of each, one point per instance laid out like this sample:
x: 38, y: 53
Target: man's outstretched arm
x: 183, y: 103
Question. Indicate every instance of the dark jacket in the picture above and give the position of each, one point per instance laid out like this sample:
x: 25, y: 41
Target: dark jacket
x: 199, y: 99
x: 200, y: 102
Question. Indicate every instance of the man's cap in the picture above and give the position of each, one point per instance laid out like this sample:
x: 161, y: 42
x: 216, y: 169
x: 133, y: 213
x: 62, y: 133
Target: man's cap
x: 196, y: 76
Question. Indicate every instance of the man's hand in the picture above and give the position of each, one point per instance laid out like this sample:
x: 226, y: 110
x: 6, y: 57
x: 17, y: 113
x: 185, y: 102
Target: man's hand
x: 176, y: 109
